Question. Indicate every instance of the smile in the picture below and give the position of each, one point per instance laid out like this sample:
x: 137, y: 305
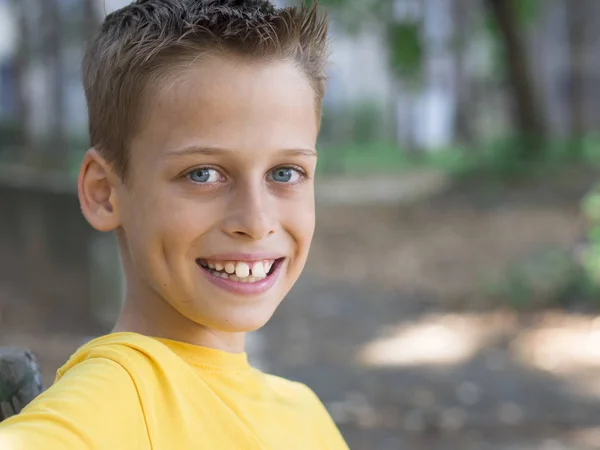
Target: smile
x: 242, y: 277
x: 243, y: 272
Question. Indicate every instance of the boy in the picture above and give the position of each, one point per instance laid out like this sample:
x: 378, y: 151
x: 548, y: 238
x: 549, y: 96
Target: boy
x: 203, y: 119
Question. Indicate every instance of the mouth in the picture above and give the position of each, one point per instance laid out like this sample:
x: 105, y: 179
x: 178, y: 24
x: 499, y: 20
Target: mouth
x: 246, y: 272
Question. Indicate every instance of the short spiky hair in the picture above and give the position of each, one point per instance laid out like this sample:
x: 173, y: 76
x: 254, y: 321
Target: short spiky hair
x: 145, y: 41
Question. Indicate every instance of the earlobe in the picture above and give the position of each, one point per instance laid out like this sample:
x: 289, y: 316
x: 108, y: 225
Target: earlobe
x: 97, y: 192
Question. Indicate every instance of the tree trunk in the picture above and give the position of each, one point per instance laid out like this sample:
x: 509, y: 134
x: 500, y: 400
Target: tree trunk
x: 91, y: 19
x: 57, y: 153
x: 403, y: 97
x: 462, y: 120
x: 576, y: 26
x: 403, y: 104
x: 529, y: 114
x: 22, y: 62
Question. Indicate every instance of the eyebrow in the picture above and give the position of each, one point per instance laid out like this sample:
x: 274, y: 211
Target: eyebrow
x: 195, y: 150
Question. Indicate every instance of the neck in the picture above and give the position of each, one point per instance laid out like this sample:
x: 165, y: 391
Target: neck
x: 157, y: 318
x: 146, y: 312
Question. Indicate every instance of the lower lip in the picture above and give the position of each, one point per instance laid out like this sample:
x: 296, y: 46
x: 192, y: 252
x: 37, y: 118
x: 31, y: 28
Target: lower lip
x: 237, y: 287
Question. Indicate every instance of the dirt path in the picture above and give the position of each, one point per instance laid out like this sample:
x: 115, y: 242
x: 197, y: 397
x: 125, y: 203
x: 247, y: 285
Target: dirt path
x: 393, y: 370
x: 447, y: 246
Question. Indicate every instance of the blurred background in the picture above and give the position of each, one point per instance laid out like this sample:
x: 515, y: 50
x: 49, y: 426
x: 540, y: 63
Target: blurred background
x: 451, y: 297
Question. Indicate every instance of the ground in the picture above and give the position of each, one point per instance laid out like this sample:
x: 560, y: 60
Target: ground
x: 392, y: 327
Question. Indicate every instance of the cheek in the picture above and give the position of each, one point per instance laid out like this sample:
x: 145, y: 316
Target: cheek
x: 300, y: 222
x: 181, y: 222
x: 164, y: 226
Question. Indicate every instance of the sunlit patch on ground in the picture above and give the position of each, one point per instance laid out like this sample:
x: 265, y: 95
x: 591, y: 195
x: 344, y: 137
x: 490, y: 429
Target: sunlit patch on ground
x: 436, y: 340
x: 561, y: 345
x: 587, y: 437
x: 565, y: 346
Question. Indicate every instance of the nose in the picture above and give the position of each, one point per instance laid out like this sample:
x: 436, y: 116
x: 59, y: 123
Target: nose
x: 251, y: 214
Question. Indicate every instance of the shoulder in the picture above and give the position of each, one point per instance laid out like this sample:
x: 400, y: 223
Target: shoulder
x: 125, y: 352
x: 293, y: 391
x: 90, y: 397
x: 88, y: 386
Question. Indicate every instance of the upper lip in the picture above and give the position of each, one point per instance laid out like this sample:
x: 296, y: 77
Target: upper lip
x: 246, y: 257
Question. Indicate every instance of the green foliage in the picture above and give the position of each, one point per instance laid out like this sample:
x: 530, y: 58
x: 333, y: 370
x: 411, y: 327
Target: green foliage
x: 357, y: 137
x: 368, y: 122
x: 357, y: 144
x: 507, y: 157
x: 354, y: 15
x: 404, y: 39
x: 329, y: 119
x: 546, y: 277
x: 352, y: 158
x: 552, y: 276
x: 502, y: 157
x: 384, y: 157
x: 527, y: 11
x: 589, y: 255
x: 406, y: 49
x: 361, y: 123
x: 405, y: 42
x: 590, y: 208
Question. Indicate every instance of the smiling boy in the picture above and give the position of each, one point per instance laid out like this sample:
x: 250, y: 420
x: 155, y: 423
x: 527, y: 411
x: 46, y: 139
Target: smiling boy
x: 204, y: 117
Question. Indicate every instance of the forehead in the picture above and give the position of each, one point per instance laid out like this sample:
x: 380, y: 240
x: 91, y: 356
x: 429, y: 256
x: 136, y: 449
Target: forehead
x: 231, y: 104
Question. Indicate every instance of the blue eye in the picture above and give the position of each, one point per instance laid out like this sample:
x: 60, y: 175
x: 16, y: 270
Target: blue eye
x: 285, y: 175
x: 204, y: 175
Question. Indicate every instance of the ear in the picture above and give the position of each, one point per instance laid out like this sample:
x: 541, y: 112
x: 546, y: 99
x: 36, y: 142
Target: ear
x: 97, y: 190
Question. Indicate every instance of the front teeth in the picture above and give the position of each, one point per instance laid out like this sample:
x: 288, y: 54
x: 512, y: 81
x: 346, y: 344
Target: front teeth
x: 242, y: 270
x: 239, y: 270
x: 258, y: 270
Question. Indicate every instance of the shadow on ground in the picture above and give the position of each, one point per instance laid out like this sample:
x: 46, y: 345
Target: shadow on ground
x: 489, y: 392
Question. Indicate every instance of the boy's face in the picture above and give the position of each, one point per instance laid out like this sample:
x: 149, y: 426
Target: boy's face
x: 217, y: 213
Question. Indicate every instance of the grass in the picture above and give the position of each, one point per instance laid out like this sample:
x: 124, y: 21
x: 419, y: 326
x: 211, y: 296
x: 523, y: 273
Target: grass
x: 495, y: 158
x: 383, y: 157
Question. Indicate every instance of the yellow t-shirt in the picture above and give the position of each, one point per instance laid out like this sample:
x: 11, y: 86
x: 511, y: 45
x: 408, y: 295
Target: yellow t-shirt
x: 128, y: 391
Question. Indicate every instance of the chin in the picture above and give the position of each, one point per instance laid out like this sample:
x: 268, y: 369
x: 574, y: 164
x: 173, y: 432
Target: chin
x: 242, y: 327
x: 235, y: 319
x: 245, y: 324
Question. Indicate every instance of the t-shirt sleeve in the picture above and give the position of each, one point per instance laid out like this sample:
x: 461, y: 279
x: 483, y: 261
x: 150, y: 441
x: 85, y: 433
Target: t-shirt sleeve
x: 94, y: 405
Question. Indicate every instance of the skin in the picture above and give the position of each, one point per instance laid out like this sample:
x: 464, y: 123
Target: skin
x: 234, y: 123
